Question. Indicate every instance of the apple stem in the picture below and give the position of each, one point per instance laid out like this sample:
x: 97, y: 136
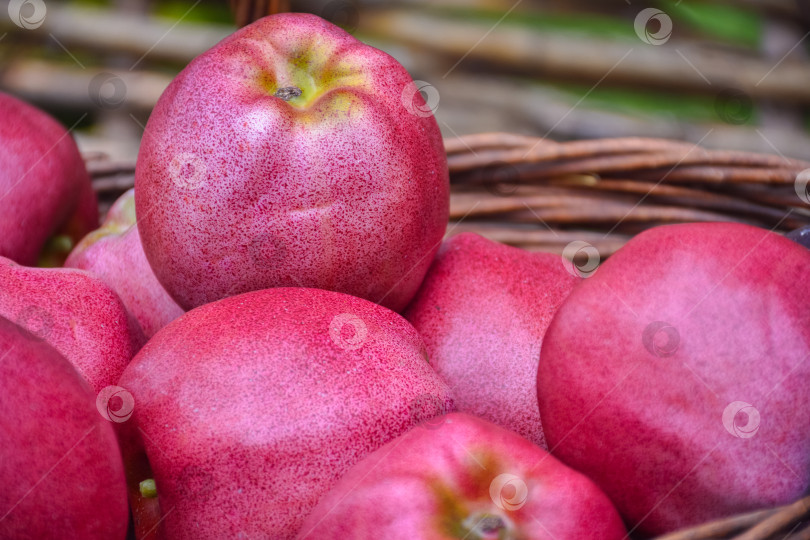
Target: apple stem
x: 288, y: 92
x: 148, y: 488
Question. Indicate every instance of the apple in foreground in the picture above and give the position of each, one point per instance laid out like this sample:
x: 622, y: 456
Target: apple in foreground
x: 250, y: 408
x: 292, y: 155
x: 459, y: 476
x: 483, y: 310
x: 45, y: 189
x: 76, y: 313
x: 115, y: 254
x: 60, y: 465
x: 677, y: 376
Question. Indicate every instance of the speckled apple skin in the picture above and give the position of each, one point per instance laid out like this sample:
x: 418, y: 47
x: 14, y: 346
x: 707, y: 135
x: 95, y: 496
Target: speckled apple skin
x: 44, y: 184
x: 115, y: 254
x: 482, y: 310
x: 60, y: 465
x: 426, y: 483
x: 76, y: 313
x: 250, y: 409
x: 342, y: 189
x: 649, y: 429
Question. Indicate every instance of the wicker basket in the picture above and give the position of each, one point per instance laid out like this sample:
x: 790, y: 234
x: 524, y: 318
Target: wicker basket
x: 541, y: 195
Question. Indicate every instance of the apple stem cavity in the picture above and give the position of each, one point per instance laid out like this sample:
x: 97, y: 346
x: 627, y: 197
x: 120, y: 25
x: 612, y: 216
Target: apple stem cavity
x: 486, y: 526
x: 288, y: 92
x: 148, y: 488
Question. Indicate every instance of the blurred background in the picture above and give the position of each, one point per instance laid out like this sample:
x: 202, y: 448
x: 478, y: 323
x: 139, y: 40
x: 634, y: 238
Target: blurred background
x: 722, y: 74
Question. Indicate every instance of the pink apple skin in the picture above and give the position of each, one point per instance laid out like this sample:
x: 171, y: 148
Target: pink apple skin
x: 60, y: 465
x: 342, y: 188
x: 439, y: 481
x: 44, y: 185
x: 76, y: 313
x: 251, y: 407
x: 483, y: 310
x: 114, y: 253
x: 648, y: 411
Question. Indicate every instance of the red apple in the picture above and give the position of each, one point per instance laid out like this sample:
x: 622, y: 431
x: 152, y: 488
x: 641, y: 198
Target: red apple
x: 291, y: 154
x: 44, y: 186
x: 114, y: 253
x: 677, y: 376
x: 251, y: 407
x: 483, y: 310
x: 60, y: 465
x: 76, y: 313
x: 463, y: 478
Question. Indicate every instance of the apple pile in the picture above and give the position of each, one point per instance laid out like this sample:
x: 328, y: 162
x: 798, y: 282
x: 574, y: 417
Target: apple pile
x: 269, y: 338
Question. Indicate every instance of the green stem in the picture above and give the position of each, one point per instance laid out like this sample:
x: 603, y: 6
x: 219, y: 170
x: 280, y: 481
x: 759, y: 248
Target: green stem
x: 148, y: 488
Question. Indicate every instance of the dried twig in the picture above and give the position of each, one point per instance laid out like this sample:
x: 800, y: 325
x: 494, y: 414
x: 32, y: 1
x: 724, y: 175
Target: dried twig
x: 721, y: 528
x: 247, y: 11
x: 778, y: 521
x: 588, y: 58
x: 479, y: 141
x: 803, y: 534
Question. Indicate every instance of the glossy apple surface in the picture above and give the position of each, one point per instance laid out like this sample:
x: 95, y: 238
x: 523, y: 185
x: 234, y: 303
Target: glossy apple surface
x: 60, y: 465
x: 76, y: 313
x: 250, y: 408
x: 44, y: 186
x: 482, y: 310
x: 115, y: 254
x: 291, y: 154
x: 677, y: 376
x: 463, y: 477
